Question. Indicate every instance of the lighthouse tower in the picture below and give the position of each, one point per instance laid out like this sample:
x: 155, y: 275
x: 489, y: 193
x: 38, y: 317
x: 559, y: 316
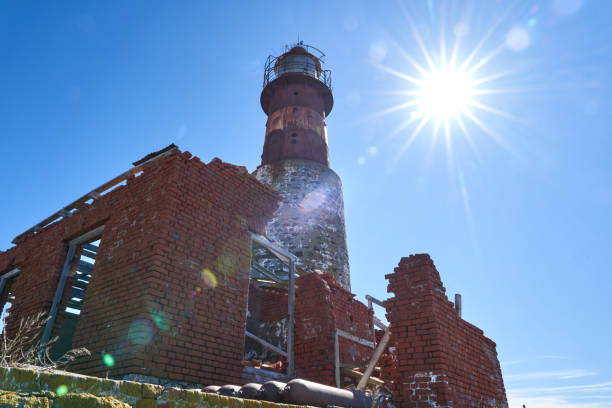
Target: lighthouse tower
x: 297, y: 98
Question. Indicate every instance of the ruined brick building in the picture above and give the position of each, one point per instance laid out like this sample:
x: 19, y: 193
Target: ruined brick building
x: 179, y: 271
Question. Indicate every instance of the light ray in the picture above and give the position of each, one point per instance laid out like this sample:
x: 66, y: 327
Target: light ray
x: 467, y: 136
x: 417, y: 37
x: 396, y: 73
x: 411, y: 60
x: 449, y: 148
x: 415, y: 133
x: 501, y: 141
x: 485, y: 38
x: 484, y: 60
x: 403, y: 126
x: 400, y: 92
x: 446, y: 90
x: 492, y: 77
x: 497, y: 112
x: 395, y: 108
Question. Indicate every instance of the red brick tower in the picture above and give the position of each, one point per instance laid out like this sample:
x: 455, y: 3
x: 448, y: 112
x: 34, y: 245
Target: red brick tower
x: 297, y: 98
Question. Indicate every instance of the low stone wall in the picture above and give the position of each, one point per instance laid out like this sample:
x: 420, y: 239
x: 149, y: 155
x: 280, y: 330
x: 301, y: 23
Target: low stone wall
x: 50, y: 389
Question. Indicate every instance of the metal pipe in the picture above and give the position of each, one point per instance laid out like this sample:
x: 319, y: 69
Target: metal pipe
x: 302, y: 392
x: 458, y: 305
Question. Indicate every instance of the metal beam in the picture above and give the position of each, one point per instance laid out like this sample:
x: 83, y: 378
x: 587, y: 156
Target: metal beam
x: 266, y: 344
x: 354, y: 338
x: 268, y: 274
x: 281, y: 253
x: 337, y: 358
x: 372, y: 299
x: 291, y: 304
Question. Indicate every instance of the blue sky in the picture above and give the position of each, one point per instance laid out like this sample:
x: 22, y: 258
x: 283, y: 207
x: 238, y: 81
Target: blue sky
x: 518, y: 222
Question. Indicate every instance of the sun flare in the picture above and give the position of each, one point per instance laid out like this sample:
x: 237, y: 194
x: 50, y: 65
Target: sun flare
x: 444, y: 93
x: 448, y: 91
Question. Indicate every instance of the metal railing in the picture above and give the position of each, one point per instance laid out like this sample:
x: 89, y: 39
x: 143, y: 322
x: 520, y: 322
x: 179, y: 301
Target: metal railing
x: 270, y: 73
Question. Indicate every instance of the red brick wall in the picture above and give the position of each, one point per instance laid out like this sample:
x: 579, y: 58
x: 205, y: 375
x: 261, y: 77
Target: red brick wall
x: 442, y: 360
x: 321, y: 307
x: 143, y: 306
x: 268, y: 304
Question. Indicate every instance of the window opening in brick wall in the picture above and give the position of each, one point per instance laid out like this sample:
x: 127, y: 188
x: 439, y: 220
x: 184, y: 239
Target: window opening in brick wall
x: 7, y: 296
x: 268, y: 343
x: 71, y: 289
x: 74, y: 295
x: 81, y: 277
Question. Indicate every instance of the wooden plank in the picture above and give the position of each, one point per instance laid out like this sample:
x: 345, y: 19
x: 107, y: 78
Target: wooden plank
x: 85, y: 267
x: 80, y: 285
x: 77, y: 292
x: 356, y: 373
x: 91, y: 247
x: 89, y: 254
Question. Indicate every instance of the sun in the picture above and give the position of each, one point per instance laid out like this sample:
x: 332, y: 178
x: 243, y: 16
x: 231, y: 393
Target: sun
x: 444, y: 93
x: 448, y: 92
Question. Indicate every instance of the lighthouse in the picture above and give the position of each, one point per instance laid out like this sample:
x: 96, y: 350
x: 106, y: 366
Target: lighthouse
x: 297, y: 98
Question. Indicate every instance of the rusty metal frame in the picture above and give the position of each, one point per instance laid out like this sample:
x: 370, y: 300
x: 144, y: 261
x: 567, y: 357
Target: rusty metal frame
x: 289, y: 259
x: 341, y: 333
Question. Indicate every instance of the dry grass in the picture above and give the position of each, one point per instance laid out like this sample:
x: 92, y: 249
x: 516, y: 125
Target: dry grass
x: 24, y: 348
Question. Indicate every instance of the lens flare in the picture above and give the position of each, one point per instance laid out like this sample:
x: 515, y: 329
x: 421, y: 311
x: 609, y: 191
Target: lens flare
x: 210, y: 280
x: 159, y: 320
x: 312, y: 201
x: 108, y: 360
x: 141, y: 332
x: 61, y: 390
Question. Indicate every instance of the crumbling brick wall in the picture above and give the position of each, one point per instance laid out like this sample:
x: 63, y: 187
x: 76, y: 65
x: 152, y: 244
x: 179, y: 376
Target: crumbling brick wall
x: 321, y: 307
x: 167, y: 297
x: 268, y: 304
x: 442, y: 360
